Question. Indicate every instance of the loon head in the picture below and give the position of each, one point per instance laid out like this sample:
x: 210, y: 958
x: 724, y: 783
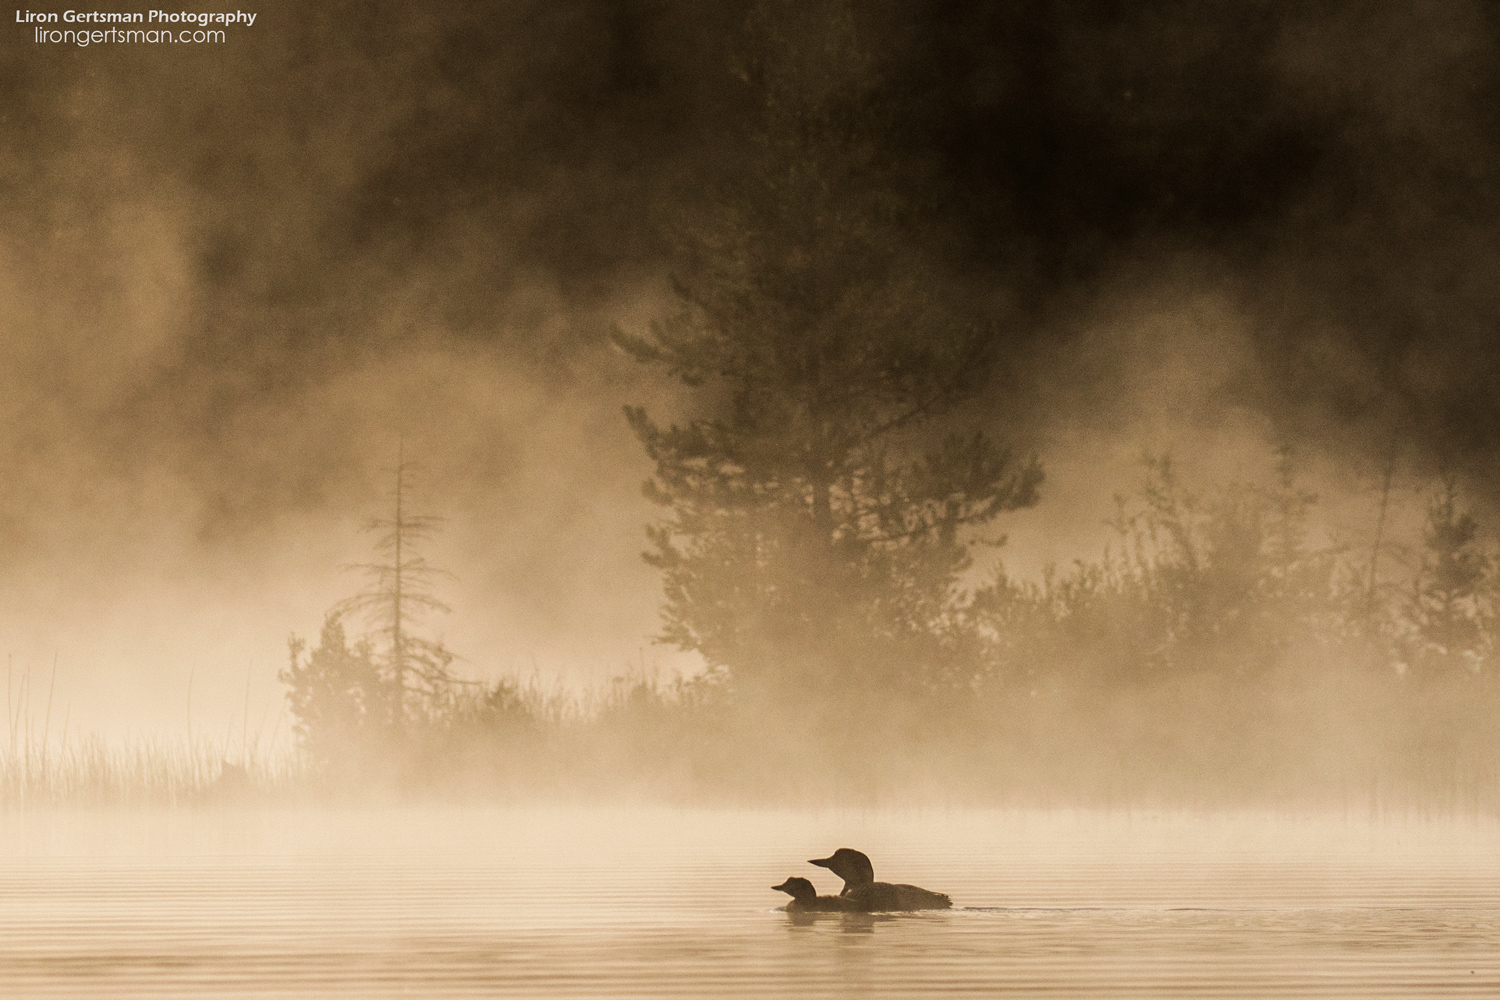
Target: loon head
x: 850, y: 865
x: 799, y: 889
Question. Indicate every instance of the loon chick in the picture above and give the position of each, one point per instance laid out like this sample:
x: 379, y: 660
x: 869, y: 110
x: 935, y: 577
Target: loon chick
x: 805, y: 897
x: 864, y: 893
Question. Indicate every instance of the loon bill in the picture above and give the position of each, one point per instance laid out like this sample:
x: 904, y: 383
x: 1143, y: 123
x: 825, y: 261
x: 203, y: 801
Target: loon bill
x: 864, y: 893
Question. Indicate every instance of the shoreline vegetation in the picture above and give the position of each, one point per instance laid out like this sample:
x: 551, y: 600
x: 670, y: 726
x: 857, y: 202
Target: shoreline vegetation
x: 141, y: 772
x: 1212, y: 658
x: 1305, y: 746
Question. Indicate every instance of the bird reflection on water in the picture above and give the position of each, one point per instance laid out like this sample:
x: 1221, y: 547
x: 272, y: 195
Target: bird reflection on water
x: 849, y: 921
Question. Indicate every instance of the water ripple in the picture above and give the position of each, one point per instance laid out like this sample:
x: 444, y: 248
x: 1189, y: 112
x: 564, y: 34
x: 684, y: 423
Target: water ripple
x: 654, y: 903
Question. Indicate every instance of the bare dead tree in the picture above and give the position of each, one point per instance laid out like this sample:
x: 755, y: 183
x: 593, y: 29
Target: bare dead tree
x: 399, y: 592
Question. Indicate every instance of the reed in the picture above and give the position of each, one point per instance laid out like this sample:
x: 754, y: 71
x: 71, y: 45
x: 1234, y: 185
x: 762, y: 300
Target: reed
x: 140, y: 771
x: 42, y: 766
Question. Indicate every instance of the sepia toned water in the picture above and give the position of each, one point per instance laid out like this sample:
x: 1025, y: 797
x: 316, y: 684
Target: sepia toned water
x: 616, y: 902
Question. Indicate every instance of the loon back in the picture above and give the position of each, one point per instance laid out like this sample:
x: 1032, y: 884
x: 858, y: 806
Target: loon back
x: 882, y: 896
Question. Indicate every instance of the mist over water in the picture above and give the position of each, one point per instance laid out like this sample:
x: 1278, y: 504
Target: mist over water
x: 629, y: 902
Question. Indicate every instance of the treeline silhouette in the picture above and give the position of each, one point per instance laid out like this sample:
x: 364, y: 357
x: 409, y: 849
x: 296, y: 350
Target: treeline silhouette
x: 1216, y: 653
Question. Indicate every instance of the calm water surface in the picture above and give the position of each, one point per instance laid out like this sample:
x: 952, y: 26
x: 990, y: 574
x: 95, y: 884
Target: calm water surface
x: 602, y: 903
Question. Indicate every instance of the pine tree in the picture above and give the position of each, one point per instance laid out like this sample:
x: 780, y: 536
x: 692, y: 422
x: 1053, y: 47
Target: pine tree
x: 1449, y: 606
x: 335, y: 695
x: 816, y: 516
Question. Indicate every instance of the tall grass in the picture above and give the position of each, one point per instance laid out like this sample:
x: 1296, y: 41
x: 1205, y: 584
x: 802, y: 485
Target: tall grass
x: 138, y: 771
x: 44, y: 766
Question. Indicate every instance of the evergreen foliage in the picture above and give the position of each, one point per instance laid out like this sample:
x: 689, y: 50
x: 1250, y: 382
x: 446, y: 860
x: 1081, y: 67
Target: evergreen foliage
x: 1451, y: 616
x: 1230, y: 585
x: 815, y: 519
x: 336, y: 696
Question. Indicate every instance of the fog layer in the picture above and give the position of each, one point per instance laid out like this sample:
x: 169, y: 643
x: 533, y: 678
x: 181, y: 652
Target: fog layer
x: 233, y: 277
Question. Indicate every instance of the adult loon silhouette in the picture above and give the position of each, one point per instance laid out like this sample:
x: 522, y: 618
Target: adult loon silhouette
x: 861, y: 889
x: 805, y: 897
